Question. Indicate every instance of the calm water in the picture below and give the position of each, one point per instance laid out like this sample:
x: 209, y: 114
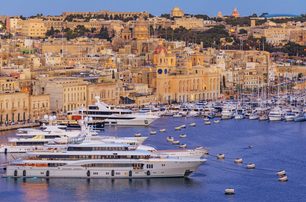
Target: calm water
x: 276, y: 146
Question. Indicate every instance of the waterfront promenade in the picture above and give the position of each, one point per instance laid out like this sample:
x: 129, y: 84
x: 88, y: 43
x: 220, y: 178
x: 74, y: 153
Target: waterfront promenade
x: 16, y: 126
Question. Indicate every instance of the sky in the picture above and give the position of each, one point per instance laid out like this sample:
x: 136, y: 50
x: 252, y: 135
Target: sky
x: 156, y: 7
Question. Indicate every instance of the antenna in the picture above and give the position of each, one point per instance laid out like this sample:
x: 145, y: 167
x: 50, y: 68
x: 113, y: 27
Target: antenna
x: 97, y: 98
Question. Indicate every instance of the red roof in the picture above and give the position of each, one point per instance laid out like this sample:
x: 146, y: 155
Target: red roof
x: 159, y: 49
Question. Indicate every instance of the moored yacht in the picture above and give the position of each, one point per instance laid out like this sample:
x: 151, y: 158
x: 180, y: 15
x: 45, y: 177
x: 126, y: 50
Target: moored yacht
x: 227, y: 113
x: 36, y: 140
x: 254, y: 115
x: 275, y: 114
x: 114, y: 116
x: 96, y: 160
x: 290, y: 116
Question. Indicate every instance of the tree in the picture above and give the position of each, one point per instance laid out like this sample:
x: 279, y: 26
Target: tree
x: 81, y: 30
x: 242, y: 21
x: 165, y: 15
x: 243, y: 31
x: 204, y: 17
x: 50, y: 32
x: 93, y: 30
x: 103, y: 34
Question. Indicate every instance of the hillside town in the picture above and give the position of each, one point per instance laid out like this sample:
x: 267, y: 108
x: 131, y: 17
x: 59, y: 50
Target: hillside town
x: 56, y: 64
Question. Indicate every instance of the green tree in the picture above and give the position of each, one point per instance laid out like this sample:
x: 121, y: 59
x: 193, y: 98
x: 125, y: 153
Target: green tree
x: 50, y: 32
x: 103, y: 34
x: 243, y: 31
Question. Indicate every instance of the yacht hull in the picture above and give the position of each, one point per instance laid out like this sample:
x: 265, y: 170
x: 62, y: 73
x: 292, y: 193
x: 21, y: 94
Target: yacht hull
x: 130, y: 122
x: 161, y: 169
x: 275, y: 118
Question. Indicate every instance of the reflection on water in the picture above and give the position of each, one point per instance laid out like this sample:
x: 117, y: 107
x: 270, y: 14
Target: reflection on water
x: 82, y: 185
x: 38, y: 189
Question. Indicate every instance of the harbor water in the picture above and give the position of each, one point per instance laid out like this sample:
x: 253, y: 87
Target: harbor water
x: 272, y: 146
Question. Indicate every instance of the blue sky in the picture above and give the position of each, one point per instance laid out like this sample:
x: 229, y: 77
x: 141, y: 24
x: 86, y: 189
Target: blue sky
x: 156, y: 7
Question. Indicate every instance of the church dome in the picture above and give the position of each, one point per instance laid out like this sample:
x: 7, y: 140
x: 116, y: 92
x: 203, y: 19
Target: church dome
x: 177, y: 12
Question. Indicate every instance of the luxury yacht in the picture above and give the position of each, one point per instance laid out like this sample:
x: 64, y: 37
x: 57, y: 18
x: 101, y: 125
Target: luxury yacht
x: 37, y: 140
x: 114, y: 116
x: 35, y: 143
x: 199, y: 152
x: 95, y: 160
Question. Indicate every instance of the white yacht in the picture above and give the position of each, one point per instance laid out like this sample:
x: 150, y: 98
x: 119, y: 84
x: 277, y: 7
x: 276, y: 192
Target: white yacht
x: 238, y: 116
x: 37, y: 140
x: 115, y: 116
x: 22, y: 145
x: 275, y: 114
x: 254, y: 115
x: 290, y: 116
x: 96, y: 160
x: 227, y: 113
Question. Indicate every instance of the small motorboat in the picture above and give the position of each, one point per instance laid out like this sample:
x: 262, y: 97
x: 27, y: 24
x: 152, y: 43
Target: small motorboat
x: 162, y: 130
x: 207, y: 122
x: 300, y: 118
x: 183, y: 145
x: 283, y: 178
x: 220, y: 156
x: 239, y: 116
x: 217, y: 121
x: 251, y: 166
x: 183, y: 126
x: 229, y: 191
x: 290, y: 116
x: 238, y: 160
x: 178, y: 128
x: 192, y: 124
x: 177, y: 115
x: 170, y: 139
x: 281, y: 173
x: 153, y: 133
x: 183, y: 135
x: 137, y: 135
x: 206, y: 119
x: 175, y: 142
x: 253, y: 117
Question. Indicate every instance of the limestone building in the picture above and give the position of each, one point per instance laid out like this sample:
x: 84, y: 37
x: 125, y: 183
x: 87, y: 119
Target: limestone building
x: 33, y: 28
x: 14, y: 107
x: 66, y: 94
x: 141, y: 29
x: 186, y: 83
